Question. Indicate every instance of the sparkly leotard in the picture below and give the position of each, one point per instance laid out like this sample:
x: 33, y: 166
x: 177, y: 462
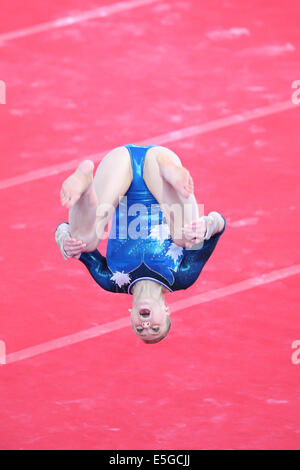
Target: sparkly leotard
x: 140, y: 246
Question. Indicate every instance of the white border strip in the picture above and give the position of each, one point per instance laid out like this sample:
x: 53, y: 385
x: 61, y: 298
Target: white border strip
x: 101, y: 12
x: 180, y: 305
x: 162, y: 139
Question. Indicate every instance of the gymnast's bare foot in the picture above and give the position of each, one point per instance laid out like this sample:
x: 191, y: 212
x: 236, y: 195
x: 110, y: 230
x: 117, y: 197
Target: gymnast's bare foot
x: 178, y: 176
x: 76, y: 184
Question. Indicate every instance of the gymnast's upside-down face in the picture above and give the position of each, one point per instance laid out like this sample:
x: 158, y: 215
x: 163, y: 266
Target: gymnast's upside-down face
x: 150, y: 319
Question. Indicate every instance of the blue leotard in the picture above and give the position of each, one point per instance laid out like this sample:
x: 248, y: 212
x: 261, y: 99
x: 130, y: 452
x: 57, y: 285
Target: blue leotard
x: 140, y: 246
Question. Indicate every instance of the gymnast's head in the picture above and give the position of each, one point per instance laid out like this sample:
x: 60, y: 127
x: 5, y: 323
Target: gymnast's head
x: 150, y: 316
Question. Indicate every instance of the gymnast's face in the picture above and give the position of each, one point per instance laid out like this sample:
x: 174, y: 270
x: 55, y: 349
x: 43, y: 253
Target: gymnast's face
x: 149, y: 319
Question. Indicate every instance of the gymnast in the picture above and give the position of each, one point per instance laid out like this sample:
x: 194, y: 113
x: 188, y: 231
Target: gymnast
x: 157, y: 243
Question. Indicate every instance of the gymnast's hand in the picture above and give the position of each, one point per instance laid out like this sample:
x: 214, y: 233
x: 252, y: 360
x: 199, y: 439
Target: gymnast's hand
x: 73, y: 248
x: 195, y: 232
x: 202, y: 229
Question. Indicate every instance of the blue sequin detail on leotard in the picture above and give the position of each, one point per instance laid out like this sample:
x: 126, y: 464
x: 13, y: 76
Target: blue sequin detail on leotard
x: 139, y: 237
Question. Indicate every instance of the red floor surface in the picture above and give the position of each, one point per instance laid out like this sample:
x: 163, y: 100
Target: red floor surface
x: 223, y: 379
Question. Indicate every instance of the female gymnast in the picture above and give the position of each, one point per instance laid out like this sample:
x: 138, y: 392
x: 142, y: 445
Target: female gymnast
x: 157, y: 242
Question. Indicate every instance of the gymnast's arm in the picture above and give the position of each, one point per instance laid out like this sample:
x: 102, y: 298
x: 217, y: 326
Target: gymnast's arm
x: 195, y: 258
x: 98, y: 269
x: 94, y: 261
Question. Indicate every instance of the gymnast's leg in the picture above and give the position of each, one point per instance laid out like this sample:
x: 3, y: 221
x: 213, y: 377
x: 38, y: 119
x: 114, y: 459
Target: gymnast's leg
x: 92, y: 201
x: 172, y: 185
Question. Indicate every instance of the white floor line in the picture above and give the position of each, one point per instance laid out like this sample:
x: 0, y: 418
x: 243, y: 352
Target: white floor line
x: 101, y: 12
x: 176, y: 306
x: 172, y: 136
